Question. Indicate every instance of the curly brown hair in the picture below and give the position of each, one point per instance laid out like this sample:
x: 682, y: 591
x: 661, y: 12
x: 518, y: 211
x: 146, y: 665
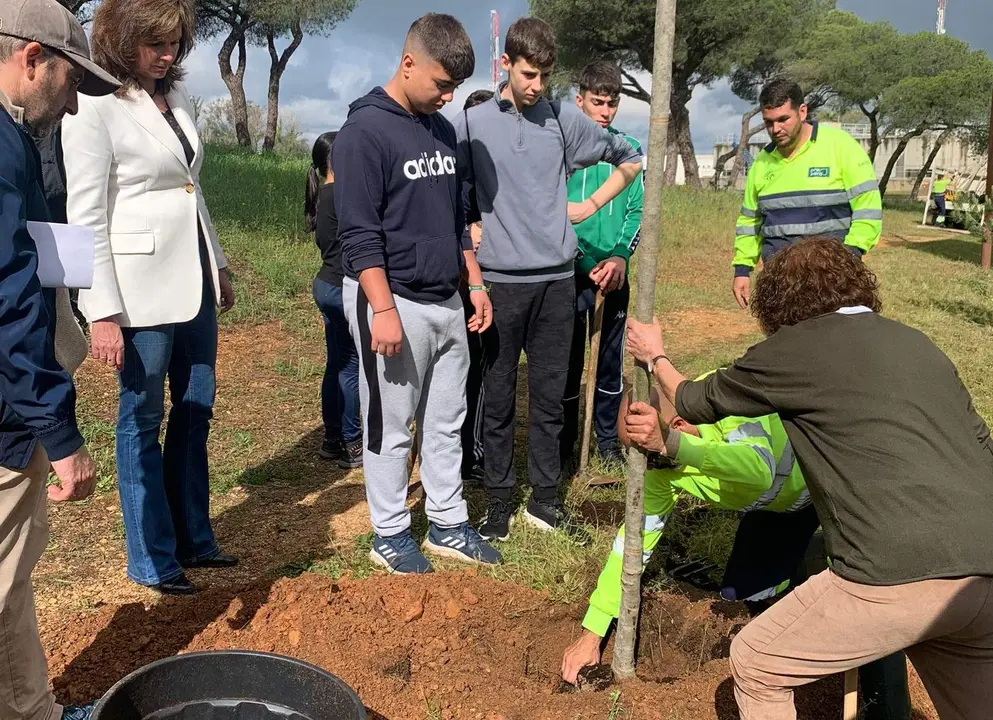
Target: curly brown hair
x: 120, y: 26
x: 813, y: 277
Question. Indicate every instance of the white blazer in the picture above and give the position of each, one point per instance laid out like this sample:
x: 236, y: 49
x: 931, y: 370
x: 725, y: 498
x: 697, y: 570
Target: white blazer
x: 128, y: 179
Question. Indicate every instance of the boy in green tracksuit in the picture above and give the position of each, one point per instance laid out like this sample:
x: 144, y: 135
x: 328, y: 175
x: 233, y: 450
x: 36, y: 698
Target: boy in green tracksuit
x: 743, y: 464
x: 606, y: 242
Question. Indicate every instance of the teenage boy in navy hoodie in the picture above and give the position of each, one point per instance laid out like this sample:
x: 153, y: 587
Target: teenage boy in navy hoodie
x: 401, y: 224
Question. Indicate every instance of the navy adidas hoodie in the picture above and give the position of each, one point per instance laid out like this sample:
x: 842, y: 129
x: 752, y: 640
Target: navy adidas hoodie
x: 397, y: 195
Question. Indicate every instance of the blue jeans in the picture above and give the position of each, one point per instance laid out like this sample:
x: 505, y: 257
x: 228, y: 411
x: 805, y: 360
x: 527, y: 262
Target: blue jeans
x: 165, y: 492
x: 340, y: 389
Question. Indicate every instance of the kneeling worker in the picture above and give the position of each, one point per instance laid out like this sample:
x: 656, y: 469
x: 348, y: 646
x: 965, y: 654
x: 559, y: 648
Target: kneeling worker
x: 743, y: 464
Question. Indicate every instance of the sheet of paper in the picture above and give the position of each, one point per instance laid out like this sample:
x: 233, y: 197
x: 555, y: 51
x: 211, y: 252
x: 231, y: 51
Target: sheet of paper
x: 65, y: 254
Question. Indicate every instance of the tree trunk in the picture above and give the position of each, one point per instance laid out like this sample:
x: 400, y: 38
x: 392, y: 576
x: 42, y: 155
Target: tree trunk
x: 277, y: 67
x: 634, y: 517
x: 671, y: 163
x: 930, y: 161
x: 235, y: 80
x: 874, y: 140
x: 738, y: 151
x: 688, y: 153
x: 900, y: 147
x: 680, y: 132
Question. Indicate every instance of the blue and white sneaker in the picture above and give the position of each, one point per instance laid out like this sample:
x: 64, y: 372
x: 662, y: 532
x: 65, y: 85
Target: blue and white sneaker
x: 78, y: 712
x: 399, y: 554
x: 461, y: 542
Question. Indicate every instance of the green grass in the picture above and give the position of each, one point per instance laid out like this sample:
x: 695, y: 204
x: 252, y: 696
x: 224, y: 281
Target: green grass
x: 256, y: 202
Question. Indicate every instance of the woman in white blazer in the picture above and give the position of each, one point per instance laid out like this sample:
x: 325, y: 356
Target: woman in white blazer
x: 132, y: 169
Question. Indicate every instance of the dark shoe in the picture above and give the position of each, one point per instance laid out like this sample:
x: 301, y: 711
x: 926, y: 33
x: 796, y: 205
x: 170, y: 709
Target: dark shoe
x: 613, y: 456
x: 553, y: 516
x: 180, y: 585
x: 474, y: 475
x: 399, y: 554
x: 461, y: 543
x: 497, y: 524
x: 330, y: 448
x: 218, y: 561
x: 78, y: 712
x: 351, y: 456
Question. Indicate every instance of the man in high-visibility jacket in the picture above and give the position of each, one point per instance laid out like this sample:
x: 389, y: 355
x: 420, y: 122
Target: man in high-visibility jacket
x: 810, y: 180
x: 743, y: 464
x: 939, y: 194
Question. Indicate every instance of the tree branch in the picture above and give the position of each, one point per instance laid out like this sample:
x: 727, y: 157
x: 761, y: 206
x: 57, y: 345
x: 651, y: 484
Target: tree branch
x: 636, y: 90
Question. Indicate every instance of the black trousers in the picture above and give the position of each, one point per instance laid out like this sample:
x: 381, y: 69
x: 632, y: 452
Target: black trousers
x: 610, y: 365
x: 472, y: 428
x: 537, y: 318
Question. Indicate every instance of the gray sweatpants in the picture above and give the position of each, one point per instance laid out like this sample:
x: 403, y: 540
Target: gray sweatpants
x: 426, y: 382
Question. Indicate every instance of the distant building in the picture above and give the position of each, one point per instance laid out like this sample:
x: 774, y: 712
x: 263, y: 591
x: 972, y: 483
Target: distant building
x: 705, y: 166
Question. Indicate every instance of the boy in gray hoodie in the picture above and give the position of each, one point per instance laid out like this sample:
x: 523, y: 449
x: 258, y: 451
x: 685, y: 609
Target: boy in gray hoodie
x: 516, y: 152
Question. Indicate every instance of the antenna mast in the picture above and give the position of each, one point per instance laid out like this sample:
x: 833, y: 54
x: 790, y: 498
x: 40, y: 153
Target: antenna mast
x: 940, y: 25
x: 495, y: 49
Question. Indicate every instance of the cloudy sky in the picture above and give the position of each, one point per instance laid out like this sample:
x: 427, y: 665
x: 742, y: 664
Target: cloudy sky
x: 326, y: 74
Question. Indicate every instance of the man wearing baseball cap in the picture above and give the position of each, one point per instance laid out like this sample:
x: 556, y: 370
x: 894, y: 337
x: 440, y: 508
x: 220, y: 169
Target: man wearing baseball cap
x: 44, y: 62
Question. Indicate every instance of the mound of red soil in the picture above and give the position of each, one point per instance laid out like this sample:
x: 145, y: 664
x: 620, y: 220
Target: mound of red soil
x: 448, y: 646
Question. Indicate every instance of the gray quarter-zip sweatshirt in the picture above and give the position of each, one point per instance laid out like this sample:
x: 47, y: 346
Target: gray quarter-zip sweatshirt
x: 517, y: 163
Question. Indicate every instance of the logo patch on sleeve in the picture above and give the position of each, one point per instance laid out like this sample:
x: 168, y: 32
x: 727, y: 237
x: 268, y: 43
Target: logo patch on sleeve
x: 819, y: 172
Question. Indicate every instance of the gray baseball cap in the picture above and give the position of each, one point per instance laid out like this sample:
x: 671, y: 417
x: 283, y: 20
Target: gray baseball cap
x: 50, y: 24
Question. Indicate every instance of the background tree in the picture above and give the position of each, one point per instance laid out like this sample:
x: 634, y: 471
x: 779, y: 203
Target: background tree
x: 712, y: 38
x: 261, y: 22
x: 234, y: 19
x: 949, y: 90
x: 858, y: 61
x: 292, y: 18
x: 216, y: 125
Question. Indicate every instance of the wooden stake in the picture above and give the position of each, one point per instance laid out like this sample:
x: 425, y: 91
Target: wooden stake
x: 851, y: 711
x: 644, y: 308
x: 591, y: 371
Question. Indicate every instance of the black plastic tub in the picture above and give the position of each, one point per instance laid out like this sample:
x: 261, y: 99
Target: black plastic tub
x: 230, y: 685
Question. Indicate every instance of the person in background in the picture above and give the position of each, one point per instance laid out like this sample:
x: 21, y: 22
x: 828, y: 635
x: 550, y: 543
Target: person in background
x: 472, y: 430
x: 402, y: 226
x: 517, y: 151
x: 812, y: 179
x: 606, y: 242
x: 133, y: 169
x: 898, y: 463
x: 38, y: 427
x: 340, y: 389
x: 939, y: 194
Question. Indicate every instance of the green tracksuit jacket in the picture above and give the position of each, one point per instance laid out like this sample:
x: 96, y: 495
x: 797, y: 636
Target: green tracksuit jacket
x: 615, y: 228
x: 739, y: 463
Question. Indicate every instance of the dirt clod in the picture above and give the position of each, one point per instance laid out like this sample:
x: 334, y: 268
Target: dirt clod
x: 596, y: 678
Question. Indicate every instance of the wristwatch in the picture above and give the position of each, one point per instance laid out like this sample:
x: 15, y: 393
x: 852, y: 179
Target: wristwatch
x: 651, y: 363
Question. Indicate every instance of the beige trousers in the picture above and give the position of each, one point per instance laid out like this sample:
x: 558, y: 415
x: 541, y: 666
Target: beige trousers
x: 829, y: 625
x: 24, y: 693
